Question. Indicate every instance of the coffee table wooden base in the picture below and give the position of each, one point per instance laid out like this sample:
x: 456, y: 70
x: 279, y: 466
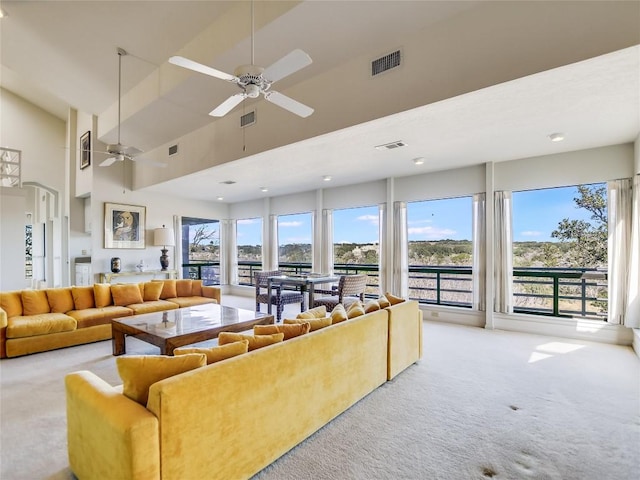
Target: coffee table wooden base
x: 198, y: 324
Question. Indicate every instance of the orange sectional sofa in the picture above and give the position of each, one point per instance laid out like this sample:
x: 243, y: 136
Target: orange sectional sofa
x: 34, y: 321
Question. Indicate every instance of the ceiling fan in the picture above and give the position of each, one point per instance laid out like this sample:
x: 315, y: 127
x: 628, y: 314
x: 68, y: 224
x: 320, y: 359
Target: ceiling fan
x: 254, y: 80
x: 119, y: 152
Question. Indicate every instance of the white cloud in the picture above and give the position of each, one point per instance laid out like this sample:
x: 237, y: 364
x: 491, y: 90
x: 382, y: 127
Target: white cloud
x: 247, y: 221
x: 419, y: 222
x: 431, y: 233
x: 290, y: 240
x: 372, y: 219
x: 531, y: 233
x: 289, y: 224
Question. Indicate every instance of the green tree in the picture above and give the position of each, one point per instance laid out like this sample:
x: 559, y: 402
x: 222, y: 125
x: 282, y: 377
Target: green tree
x: 588, y: 239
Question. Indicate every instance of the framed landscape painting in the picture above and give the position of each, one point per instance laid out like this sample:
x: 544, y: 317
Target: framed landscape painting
x: 124, y: 226
x: 85, y: 150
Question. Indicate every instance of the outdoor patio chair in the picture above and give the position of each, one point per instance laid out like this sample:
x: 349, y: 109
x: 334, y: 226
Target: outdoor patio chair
x: 350, y: 288
x: 278, y: 296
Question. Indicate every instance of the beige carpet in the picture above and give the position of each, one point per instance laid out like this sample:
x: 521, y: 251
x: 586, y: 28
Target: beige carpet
x: 481, y: 404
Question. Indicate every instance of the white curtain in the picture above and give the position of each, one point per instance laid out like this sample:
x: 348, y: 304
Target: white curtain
x: 400, y: 250
x: 619, y: 239
x: 326, y: 259
x: 271, y: 255
x: 382, y: 252
x: 479, y: 254
x: 632, y: 318
x: 228, y: 253
x: 177, y: 249
x: 503, y: 253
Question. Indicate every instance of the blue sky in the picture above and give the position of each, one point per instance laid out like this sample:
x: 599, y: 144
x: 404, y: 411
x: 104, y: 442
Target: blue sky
x: 536, y: 214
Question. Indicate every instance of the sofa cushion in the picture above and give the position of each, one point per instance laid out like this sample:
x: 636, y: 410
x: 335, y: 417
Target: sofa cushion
x: 35, y: 302
x: 317, y: 312
x: 41, y: 324
x: 102, y: 295
x: 126, y: 294
x: 289, y: 330
x: 393, y: 300
x: 255, y: 341
x: 11, y: 303
x: 217, y: 353
x: 83, y: 297
x: 168, y: 289
x: 183, y: 287
x: 60, y: 299
x: 371, y: 306
x: 152, y: 291
x: 139, y: 372
x: 338, y: 314
x: 196, y: 288
x: 90, y: 317
x: 383, y: 302
x: 191, y: 301
x: 356, y: 309
x: 150, y: 307
x: 314, y: 323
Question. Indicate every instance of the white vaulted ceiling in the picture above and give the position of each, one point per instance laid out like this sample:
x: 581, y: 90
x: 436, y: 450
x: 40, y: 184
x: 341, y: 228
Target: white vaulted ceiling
x: 480, y: 81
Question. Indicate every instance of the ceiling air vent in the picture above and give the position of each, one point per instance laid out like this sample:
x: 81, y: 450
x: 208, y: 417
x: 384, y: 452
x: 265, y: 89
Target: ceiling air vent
x: 173, y: 150
x: 391, y: 146
x: 385, y: 63
x: 248, y: 119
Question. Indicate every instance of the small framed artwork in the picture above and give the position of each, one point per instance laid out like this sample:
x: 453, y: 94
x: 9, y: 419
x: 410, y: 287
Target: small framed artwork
x: 85, y: 150
x: 124, y: 226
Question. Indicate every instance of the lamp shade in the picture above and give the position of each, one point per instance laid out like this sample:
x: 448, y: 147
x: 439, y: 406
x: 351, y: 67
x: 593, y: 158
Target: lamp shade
x: 163, y: 236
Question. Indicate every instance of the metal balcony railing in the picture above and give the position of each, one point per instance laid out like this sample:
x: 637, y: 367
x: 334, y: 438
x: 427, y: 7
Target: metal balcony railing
x: 556, y: 292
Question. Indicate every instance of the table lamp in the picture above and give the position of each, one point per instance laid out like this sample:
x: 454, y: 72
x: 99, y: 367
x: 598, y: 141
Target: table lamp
x: 163, y: 237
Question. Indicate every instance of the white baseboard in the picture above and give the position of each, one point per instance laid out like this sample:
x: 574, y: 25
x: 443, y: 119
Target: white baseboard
x: 459, y: 316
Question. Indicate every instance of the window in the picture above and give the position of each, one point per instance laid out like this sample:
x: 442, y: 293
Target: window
x: 201, y: 249
x: 356, y: 243
x: 295, y: 242
x: 440, y: 251
x: 249, y: 248
x: 560, y: 251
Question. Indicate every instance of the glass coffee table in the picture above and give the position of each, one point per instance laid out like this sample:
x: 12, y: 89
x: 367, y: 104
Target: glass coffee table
x: 184, y: 326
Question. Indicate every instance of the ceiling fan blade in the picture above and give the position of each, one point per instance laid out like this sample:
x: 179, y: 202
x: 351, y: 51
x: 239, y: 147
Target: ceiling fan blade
x: 200, y: 68
x: 148, y: 161
x: 287, y: 65
x: 109, y: 161
x: 131, y: 151
x: 288, y: 103
x: 226, y: 106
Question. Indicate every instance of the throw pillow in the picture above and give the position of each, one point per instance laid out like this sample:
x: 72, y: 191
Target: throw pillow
x: 183, y: 288
x: 314, y: 323
x: 384, y: 302
x: 356, y: 309
x: 139, y: 372
x: 255, y: 341
x: 289, y: 330
x: 126, y: 294
x: 35, y: 302
x: 393, y: 300
x: 60, y: 299
x: 152, y: 291
x: 168, y: 289
x: 338, y: 314
x: 83, y: 297
x: 371, y: 306
x: 102, y: 294
x: 216, y: 354
x: 318, y: 312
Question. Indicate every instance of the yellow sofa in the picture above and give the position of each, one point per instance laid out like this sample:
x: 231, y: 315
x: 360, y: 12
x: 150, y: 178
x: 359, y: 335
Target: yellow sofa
x: 230, y: 419
x: 39, y: 320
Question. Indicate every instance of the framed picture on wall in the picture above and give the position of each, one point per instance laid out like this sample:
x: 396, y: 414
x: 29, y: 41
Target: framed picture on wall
x: 85, y: 150
x: 124, y: 226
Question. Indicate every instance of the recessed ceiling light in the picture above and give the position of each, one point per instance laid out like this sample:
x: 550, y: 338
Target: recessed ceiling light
x: 264, y: 189
x: 556, y: 137
x: 228, y: 182
x: 418, y: 161
x: 3, y: 13
x: 327, y: 178
x: 220, y: 198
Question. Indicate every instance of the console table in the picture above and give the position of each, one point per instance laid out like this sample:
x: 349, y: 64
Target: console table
x: 106, y: 277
